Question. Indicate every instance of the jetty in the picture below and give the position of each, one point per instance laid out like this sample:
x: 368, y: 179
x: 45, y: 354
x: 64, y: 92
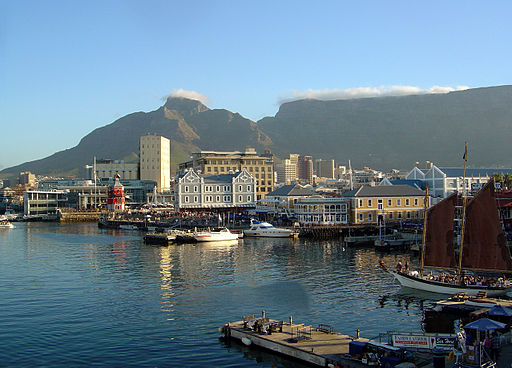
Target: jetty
x: 320, y: 346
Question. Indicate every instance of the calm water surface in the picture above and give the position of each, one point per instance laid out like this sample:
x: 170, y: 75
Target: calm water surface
x: 76, y: 295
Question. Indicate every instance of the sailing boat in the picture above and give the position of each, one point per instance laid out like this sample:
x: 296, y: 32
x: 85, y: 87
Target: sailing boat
x: 482, y: 248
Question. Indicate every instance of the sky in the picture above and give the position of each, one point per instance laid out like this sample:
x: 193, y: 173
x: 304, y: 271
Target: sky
x: 68, y: 67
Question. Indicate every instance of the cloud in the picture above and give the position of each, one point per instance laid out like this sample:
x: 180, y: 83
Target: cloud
x: 364, y: 92
x: 193, y: 95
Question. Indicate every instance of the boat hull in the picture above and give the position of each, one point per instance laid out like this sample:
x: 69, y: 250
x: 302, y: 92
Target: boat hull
x: 276, y: 234
x: 443, y: 288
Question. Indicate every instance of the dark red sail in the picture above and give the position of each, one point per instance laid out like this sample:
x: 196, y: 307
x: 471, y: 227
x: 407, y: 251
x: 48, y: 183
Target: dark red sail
x: 485, y: 246
x: 439, y: 234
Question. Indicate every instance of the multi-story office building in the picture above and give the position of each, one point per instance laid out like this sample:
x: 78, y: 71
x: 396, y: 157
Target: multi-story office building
x: 371, y: 205
x: 305, y: 169
x: 26, y: 178
x: 110, y: 168
x: 323, y: 211
x: 325, y: 169
x: 232, y: 190
x: 36, y: 202
x: 216, y: 163
x: 155, y: 160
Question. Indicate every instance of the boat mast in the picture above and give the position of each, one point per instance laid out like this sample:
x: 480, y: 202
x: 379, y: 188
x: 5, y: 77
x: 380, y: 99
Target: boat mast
x: 464, y: 199
x: 424, y: 235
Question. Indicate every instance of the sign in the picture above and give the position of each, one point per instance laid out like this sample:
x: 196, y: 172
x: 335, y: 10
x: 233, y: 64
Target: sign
x: 444, y: 342
x: 412, y: 341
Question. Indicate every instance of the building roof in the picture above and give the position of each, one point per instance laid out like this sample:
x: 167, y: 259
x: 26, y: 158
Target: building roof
x: 459, y: 172
x: 291, y: 190
x: 384, y: 191
x: 415, y: 183
x: 221, y: 178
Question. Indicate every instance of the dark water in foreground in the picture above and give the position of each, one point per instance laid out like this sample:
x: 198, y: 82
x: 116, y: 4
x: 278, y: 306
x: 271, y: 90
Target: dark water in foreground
x: 76, y: 295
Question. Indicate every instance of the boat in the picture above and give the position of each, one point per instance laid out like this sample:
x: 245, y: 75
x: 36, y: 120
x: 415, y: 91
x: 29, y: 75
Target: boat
x: 5, y: 224
x: 267, y: 230
x: 392, y: 242
x: 222, y: 234
x: 128, y: 227
x: 482, y: 256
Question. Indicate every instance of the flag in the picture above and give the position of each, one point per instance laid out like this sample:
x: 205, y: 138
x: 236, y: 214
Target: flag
x: 465, y: 157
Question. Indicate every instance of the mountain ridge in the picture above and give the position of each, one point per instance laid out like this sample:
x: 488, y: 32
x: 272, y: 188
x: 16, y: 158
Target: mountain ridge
x: 380, y: 132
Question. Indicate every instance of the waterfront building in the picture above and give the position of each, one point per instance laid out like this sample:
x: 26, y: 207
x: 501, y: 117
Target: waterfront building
x: 282, y: 200
x: 444, y: 181
x: 305, y: 169
x: 389, y: 203
x: 43, y: 202
x: 155, y: 160
x: 218, y: 163
x: 106, y: 168
x: 321, y: 211
x: 229, y: 190
x: 115, y: 200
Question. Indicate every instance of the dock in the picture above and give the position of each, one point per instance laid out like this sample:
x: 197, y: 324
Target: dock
x: 319, y: 346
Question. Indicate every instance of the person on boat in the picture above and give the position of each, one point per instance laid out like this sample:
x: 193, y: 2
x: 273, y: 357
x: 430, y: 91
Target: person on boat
x: 399, y: 267
x: 406, y: 266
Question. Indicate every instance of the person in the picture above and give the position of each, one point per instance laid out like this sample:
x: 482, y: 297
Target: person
x: 495, y: 346
x: 399, y: 266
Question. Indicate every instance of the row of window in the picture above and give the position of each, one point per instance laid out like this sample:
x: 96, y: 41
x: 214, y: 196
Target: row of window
x: 391, y: 216
x: 232, y: 162
x: 209, y: 198
x: 218, y: 188
x: 390, y: 202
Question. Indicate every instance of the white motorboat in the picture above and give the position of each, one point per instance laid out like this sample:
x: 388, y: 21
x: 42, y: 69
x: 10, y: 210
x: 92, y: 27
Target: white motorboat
x: 265, y: 229
x: 4, y: 224
x: 222, y: 234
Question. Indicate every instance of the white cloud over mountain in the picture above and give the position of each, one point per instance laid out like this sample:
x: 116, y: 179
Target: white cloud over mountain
x: 193, y: 95
x: 364, y: 92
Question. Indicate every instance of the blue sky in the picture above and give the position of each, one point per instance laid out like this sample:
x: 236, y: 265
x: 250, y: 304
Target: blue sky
x: 68, y: 67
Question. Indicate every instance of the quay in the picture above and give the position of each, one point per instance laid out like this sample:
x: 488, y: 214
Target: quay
x: 319, y: 346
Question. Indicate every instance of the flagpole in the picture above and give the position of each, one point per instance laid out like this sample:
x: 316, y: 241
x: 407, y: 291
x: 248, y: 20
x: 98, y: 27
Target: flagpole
x: 464, y: 199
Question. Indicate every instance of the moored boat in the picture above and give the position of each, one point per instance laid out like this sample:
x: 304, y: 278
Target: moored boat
x: 4, y: 224
x: 222, y: 234
x: 265, y: 229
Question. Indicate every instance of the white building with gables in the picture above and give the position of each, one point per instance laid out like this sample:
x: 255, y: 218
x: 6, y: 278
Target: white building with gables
x: 232, y: 190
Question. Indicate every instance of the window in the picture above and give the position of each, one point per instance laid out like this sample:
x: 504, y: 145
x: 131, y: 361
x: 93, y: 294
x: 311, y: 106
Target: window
x: 195, y: 188
x: 248, y: 198
x: 186, y: 189
x: 248, y: 188
x: 239, y: 188
x: 391, y: 215
x: 196, y: 199
x: 407, y: 201
x: 415, y: 201
x: 217, y: 198
x: 186, y: 199
x: 408, y: 215
x: 390, y: 202
x: 360, y: 203
x: 369, y: 203
x: 361, y: 217
x: 398, y: 202
x: 240, y: 198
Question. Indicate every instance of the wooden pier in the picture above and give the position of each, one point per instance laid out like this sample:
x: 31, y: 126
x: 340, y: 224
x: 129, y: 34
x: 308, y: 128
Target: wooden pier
x: 318, y: 346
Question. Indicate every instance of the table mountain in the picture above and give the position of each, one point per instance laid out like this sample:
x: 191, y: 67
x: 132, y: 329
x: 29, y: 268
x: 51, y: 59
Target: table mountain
x: 382, y: 132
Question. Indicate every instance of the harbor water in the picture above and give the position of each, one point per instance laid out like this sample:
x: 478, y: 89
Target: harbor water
x: 76, y: 295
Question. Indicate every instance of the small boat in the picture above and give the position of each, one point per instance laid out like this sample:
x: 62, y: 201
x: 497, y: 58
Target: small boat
x: 222, y: 234
x: 392, y: 242
x: 265, y: 229
x: 4, y: 224
x: 128, y: 227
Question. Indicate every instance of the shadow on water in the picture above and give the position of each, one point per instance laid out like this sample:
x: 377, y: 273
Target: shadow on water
x: 260, y: 355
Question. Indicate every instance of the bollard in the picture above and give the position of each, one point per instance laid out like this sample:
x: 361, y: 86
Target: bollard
x: 263, y: 314
x: 357, y: 333
x: 291, y: 320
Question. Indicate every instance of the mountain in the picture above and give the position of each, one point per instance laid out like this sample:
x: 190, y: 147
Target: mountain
x: 188, y: 123
x: 382, y: 132
x: 395, y: 132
